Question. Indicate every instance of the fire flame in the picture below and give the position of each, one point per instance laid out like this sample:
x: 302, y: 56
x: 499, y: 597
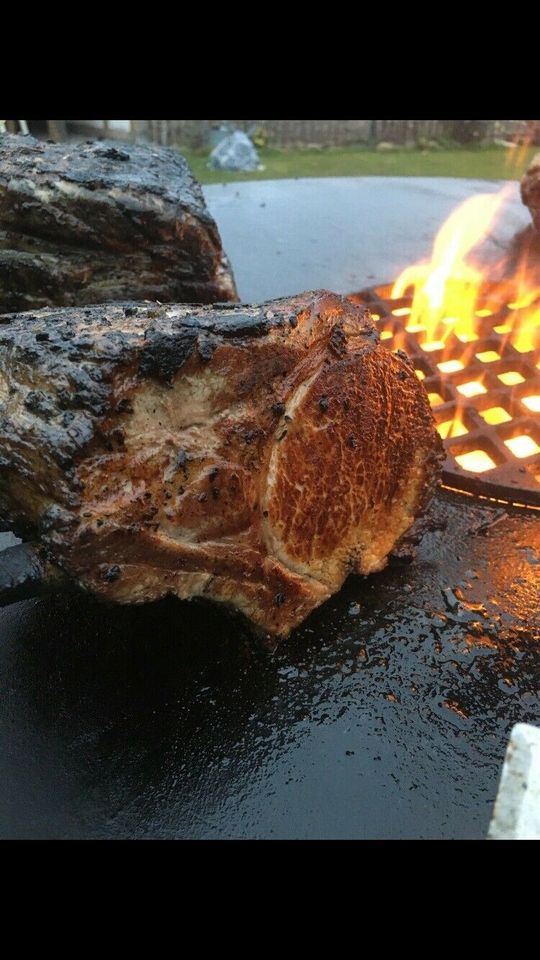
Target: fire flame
x: 446, y: 290
x: 450, y: 298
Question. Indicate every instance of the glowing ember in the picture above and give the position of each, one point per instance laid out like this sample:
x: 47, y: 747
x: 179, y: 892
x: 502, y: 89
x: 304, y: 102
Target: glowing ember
x: 524, y: 343
x: 525, y: 325
x: 402, y: 312
x: 488, y: 356
x: 532, y: 403
x: 471, y: 389
x: 435, y: 399
x: 503, y: 328
x: 450, y: 366
x: 432, y: 345
x: 494, y: 415
x: 477, y: 461
x: 484, y: 313
x: 451, y: 428
x: 511, y: 378
x: 420, y: 374
x: 522, y: 446
x: 524, y: 301
x: 415, y: 328
x: 386, y: 335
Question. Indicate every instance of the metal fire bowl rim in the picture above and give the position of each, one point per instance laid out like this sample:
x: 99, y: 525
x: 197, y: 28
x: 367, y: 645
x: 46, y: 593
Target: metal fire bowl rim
x: 512, y: 481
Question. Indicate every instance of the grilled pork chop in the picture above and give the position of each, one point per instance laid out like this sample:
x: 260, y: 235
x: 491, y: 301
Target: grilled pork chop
x: 252, y: 455
x: 86, y: 222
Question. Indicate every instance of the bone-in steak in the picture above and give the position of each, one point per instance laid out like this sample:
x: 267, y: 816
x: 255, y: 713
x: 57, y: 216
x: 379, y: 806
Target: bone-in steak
x: 252, y: 455
x: 87, y: 222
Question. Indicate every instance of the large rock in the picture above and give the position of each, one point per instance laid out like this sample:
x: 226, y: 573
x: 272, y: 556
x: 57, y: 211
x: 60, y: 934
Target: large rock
x: 235, y: 152
x: 89, y: 222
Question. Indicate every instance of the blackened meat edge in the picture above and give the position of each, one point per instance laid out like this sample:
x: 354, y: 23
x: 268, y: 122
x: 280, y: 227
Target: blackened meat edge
x: 88, y: 222
x: 251, y: 455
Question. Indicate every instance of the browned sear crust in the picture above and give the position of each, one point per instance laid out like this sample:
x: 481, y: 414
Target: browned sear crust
x: 251, y: 455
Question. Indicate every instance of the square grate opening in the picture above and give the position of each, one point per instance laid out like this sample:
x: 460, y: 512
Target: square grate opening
x: 484, y: 390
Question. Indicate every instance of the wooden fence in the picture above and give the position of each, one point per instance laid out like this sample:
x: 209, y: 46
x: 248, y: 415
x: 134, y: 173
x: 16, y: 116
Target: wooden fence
x: 195, y: 133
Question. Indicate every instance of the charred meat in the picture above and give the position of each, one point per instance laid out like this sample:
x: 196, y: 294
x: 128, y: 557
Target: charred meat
x: 251, y: 455
x: 530, y: 190
x: 88, y: 222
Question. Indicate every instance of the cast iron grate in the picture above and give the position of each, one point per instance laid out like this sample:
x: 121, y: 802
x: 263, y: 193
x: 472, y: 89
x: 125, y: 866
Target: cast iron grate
x: 485, y: 399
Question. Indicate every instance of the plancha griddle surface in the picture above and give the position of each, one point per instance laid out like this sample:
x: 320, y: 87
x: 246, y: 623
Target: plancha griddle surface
x: 385, y: 715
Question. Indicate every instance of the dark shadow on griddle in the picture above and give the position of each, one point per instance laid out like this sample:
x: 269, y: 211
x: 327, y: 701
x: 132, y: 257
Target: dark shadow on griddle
x: 150, y: 669
x: 88, y: 663
x: 179, y: 699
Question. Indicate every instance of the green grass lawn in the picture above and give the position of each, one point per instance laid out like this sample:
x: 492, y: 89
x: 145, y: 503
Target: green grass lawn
x: 485, y: 163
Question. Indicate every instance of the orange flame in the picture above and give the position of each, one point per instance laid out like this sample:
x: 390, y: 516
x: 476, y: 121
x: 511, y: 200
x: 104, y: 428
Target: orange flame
x: 517, y: 153
x: 451, y: 299
x: 446, y: 289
